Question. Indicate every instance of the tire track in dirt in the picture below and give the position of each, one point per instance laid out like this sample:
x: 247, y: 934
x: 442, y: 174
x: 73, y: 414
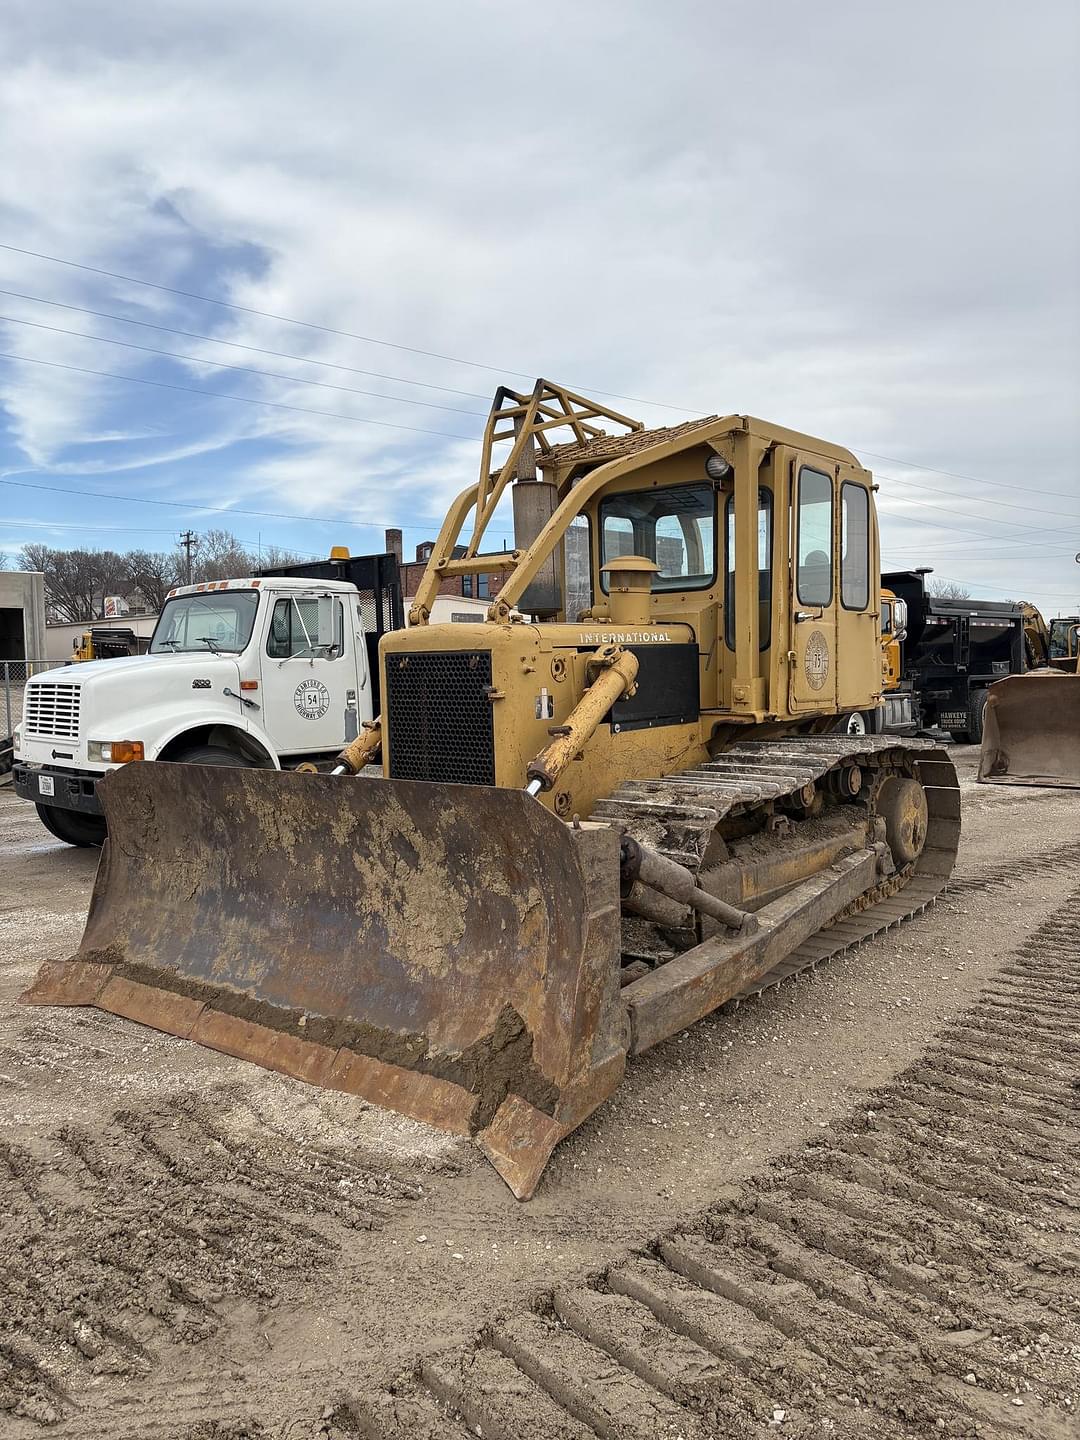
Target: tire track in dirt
x: 1014, y: 873
x: 145, y: 1233
x: 913, y: 1272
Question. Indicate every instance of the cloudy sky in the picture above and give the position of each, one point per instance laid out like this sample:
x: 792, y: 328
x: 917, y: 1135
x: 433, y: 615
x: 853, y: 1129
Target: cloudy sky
x: 857, y: 220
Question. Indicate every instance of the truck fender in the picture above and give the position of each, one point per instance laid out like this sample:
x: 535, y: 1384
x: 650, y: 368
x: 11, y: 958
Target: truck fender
x: 249, y: 739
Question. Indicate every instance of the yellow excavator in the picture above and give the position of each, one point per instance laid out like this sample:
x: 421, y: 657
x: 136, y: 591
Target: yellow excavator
x: 577, y: 827
x: 1031, y: 724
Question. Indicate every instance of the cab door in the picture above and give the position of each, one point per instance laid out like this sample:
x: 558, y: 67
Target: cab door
x: 812, y: 654
x: 307, y: 688
x: 858, y: 616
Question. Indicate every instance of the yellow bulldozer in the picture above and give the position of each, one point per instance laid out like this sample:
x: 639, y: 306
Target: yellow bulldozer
x: 577, y: 827
x: 1031, y: 724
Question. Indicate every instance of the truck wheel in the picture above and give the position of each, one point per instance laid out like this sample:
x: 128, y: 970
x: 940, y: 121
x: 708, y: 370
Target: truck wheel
x: 71, y: 826
x: 213, y: 755
x: 975, y: 716
x: 961, y: 737
x: 859, y: 722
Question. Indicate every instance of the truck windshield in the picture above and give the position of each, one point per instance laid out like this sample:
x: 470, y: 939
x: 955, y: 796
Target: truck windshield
x: 219, y: 621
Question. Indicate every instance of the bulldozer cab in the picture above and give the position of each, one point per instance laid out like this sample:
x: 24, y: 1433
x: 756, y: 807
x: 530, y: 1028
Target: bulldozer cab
x: 763, y: 608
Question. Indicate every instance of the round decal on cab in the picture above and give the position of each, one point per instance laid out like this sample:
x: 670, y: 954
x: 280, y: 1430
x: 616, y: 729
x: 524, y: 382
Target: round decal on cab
x: 816, y: 661
x: 312, y: 699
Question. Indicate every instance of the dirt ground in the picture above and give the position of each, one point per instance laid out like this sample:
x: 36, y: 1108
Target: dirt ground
x: 195, y: 1248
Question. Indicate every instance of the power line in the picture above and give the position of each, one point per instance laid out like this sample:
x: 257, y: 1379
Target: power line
x: 17, y: 524
x: 979, y: 500
x: 323, y: 519
x: 941, y: 525
x: 192, y: 507
x: 983, y: 519
x: 405, y: 349
x: 415, y: 350
x: 93, y: 529
x: 1001, y: 590
x: 1010, y: 551
x: 427, y: 404
x: 955, y: 475
x: 312, y: 325
x: 243, y: 369
x: 412, y: 429
x: 225, y: 395
x: 238, y: 345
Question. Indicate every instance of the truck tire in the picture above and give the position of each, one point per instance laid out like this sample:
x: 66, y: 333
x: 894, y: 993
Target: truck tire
x: 212, y: 755
x: 72, y: 826
x: 859, y: 722
x: 976, y: 710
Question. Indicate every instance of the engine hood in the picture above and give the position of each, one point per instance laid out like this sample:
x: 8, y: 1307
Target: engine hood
x: 155, y: 670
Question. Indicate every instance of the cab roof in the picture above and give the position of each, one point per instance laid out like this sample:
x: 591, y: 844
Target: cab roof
x: 287, y: 584
x: 602, y: 448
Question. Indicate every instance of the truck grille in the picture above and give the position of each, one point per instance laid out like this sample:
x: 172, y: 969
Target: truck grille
x: 52, y: 710
x: 439, y: 720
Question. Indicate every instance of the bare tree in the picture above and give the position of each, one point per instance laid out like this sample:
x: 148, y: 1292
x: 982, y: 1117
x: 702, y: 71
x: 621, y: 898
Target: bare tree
x: 219, y: 555
x: 273, y: 557
x: 77, y: 582
x: 948, y: 590
x: 5, y: 561
x: 153, y: 573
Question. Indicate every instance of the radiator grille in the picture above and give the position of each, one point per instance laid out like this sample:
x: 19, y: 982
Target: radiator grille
x: 52, y: 710
x: 439, y: 719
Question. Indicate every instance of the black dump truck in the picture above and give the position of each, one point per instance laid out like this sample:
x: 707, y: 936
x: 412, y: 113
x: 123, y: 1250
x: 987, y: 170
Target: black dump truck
x: 952, y: 650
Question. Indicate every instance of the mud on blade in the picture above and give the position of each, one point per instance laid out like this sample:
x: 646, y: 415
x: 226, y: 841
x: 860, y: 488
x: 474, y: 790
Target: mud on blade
x: 450, y: 952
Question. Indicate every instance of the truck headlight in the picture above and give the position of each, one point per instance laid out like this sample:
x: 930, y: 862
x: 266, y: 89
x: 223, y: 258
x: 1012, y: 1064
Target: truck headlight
x: 114, y: 752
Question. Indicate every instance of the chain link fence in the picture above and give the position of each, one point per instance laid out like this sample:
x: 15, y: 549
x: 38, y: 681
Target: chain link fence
x: 13, y: 677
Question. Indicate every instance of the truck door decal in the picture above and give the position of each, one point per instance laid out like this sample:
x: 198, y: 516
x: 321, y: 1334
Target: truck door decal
x: 311, y: 699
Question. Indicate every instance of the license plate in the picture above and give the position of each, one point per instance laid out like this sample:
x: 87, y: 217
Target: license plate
x: 46, y: 785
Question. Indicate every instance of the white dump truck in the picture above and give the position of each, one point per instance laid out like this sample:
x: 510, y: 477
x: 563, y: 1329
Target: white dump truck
x: 270, y: 671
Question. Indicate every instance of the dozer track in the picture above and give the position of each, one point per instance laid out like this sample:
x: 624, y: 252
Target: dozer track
x: 680, y: 814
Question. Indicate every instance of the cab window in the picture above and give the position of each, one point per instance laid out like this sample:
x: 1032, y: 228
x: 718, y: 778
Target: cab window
x: 675, y: 527
x: 854, y: 546
x: 294, y: 629
x: 578, y: 563
x: 765, y: 541
x: 815, y: 538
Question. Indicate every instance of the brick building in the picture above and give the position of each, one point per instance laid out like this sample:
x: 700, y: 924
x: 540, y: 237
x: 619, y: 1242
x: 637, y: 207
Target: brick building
x: 486, y: 587
x: 470, y: 587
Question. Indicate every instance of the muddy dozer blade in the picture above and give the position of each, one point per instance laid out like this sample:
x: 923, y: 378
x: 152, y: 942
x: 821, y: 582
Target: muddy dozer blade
x: 1031, y: 730
x: 447, y: 951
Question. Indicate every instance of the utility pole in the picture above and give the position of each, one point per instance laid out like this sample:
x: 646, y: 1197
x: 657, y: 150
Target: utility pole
x: 187, y: 542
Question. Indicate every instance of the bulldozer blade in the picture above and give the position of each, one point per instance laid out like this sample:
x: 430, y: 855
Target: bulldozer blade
x: 450, y: 952
x: 1031, y: 730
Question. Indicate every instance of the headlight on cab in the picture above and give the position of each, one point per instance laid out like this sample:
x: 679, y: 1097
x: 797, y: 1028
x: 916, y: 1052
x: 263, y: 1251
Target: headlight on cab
x: 114, y: 752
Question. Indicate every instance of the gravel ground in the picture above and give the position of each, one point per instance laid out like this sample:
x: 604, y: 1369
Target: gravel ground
x: 198, y: 1248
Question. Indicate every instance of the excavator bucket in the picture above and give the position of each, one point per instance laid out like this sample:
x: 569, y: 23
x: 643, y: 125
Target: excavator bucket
x: 447, y: 951
x: 1031, y: 730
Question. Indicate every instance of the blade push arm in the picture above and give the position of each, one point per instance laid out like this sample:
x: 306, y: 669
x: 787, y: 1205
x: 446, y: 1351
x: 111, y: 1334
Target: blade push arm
x: 614, y: 673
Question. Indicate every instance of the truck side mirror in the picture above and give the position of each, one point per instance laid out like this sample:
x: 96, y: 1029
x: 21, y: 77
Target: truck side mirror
x: 326, y: 622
